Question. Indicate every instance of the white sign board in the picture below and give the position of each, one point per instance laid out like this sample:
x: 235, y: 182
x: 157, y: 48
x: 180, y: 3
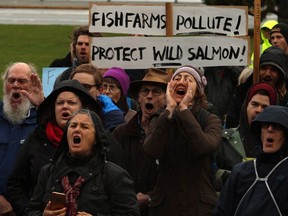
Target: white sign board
x: 169, y: 52
x: 151, y: 20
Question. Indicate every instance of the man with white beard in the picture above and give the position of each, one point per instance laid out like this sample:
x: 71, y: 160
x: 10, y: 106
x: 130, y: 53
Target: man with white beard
x: 22, y: 93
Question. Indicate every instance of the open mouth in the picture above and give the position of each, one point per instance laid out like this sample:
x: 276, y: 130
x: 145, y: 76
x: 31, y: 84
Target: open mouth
x: 181, y: 91
x: 16, y: 95
x: 76, y: 139
x: 83, y: 54
x: 270, y: 140
x: 65, y: 114
x: 267, y: 79
x: 149, y: 106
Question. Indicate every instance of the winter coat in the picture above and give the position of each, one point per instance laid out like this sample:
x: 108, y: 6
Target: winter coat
x: 62, y: 62
x: 37, y: 151
x: 258, y: 200
x: 240, y: 143
x: 259, y: 187
x: 185, y: 180
x: 107, y: 190
x: 142, y: 168
x: 11, y: 140
x: 269, y: 24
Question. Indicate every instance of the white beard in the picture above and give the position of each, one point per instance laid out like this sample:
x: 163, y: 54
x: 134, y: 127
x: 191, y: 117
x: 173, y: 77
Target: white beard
x: 18, y: 114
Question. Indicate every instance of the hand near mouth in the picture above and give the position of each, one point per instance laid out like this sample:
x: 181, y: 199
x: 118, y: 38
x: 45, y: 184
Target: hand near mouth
x: 188, y: 98
x: 171, y: 103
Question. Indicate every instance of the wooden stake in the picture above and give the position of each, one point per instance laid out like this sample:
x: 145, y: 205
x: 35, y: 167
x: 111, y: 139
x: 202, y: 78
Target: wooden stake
x: 257, y: 33
x: 169, y: 26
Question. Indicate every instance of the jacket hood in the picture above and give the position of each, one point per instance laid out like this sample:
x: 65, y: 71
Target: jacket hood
x: 269, y: 24
x: 101, y: 144
x: 46, y: 108
x: 272, y: 114
x: 253, y: 90
x: 244, y: 129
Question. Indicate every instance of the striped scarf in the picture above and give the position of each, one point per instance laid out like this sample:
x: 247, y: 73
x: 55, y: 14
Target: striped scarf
x: 72, y: 192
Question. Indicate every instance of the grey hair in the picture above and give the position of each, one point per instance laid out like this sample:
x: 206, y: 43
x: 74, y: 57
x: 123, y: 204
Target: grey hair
x: 8, y: 68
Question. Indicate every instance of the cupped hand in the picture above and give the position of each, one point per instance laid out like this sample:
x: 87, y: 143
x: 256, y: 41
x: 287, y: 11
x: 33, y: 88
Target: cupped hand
x: 35, y: 94
x: 188, y: 98
x: 170, y: 91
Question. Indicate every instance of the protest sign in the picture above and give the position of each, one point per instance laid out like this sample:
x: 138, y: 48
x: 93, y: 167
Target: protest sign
x: 151, y: 19
x: 169, y: 52
x: 49, y: 76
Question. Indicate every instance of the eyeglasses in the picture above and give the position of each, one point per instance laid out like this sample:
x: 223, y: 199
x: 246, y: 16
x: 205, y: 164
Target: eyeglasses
x: 22, y: 82
x: 266, y: 125
x: 112, y: 87
x: 155, y: 91
x: 88, y: 86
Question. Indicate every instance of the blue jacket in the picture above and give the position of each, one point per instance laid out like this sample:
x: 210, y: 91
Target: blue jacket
x: 11, y: 139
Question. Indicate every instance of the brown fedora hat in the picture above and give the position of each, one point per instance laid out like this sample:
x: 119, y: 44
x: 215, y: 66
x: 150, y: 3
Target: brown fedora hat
x: 154, y: 76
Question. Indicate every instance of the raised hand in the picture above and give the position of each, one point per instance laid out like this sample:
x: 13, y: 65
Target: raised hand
x: 35, y: 94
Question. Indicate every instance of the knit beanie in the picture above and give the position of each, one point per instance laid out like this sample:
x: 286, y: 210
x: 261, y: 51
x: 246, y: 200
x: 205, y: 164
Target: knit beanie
x: 196, y: 73
x: 263, y: 86
x: 281, y: 28
x: 276, y: 57
x: 121, y: 76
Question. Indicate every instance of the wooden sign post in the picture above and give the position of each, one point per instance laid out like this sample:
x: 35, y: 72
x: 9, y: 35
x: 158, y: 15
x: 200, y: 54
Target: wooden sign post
x: 257, y: 33
x: 169, y: 26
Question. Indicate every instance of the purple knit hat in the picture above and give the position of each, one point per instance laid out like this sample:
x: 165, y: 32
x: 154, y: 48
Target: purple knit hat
x: 121, y: 76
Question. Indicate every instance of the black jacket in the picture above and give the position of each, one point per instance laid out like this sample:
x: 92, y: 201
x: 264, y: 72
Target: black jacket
x: 108, y: 189
x: 258, y: 201
x: 63, y: 62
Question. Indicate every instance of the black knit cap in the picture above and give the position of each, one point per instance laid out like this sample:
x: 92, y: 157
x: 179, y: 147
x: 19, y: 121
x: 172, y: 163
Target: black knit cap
x: 281, y: 28
x: 276, y: 57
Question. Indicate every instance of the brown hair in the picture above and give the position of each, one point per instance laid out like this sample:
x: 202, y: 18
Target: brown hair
x: 81, y: 30
x: 89, y: 69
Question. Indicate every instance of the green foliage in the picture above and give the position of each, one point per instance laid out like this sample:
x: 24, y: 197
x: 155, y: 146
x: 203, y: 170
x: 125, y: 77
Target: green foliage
x: 37, y: 44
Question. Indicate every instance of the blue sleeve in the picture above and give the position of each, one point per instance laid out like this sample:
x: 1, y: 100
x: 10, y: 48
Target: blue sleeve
x: 107, y: 103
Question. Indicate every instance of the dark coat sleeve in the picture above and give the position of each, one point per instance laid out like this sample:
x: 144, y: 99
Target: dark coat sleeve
x: 121, y: 192
x: 36, y: 206
x: 115, y: 152
x: 234, y: 188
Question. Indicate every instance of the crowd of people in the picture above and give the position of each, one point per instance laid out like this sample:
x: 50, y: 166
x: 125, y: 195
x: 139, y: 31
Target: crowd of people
x: 196, y: 141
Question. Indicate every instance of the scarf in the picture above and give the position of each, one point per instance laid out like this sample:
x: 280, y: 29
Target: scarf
x: 72, y: 192
x: 54, y: 133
